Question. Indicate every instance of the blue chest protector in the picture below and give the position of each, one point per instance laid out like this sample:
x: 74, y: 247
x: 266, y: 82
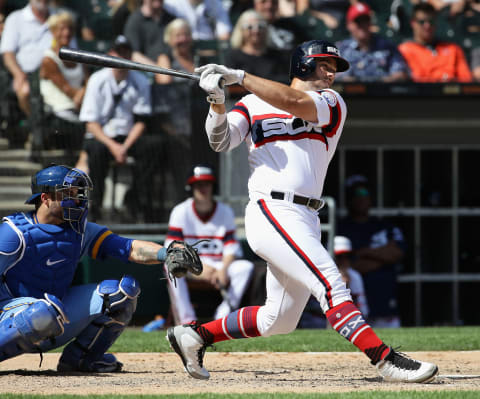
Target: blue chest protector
x: 49, y: 260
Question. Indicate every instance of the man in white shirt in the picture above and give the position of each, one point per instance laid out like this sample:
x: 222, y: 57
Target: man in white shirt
x: 25, y: 38
x: 115, y: 107
x: 208, y: 19
x: 201, y: 217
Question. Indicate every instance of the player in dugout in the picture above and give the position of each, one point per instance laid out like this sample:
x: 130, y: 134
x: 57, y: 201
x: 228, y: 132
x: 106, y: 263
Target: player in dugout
x: 39, y: 253
x: 291, y: 132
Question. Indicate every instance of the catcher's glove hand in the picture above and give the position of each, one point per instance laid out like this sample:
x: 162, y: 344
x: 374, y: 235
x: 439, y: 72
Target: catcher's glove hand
x: 181, y: 260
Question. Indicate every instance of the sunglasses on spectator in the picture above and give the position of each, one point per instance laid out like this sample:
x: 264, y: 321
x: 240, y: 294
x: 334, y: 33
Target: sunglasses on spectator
x: 259, y: 26
x: 425, y: 21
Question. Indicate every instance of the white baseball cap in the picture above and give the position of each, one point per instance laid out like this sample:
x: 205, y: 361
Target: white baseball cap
x: 341, y: 245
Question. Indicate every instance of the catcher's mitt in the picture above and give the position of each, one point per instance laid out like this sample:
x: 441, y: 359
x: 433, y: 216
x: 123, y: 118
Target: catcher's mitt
x: 181, y: 260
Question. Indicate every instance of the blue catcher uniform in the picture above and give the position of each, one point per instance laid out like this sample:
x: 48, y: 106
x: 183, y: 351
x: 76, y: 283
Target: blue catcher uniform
x: 39, y: 310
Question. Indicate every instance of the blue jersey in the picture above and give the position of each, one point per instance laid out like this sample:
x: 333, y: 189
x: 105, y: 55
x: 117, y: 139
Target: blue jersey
x: 38, y: 258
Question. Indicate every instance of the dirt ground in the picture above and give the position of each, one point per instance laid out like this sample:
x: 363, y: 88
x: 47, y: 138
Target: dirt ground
x: 162, y: 373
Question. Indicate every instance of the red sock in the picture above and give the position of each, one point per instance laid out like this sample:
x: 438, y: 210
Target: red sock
x: 239, y: 324
x: 348, y: 321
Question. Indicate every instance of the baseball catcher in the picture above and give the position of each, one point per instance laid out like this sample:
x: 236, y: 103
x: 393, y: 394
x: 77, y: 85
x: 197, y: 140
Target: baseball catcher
x: 39, y: 254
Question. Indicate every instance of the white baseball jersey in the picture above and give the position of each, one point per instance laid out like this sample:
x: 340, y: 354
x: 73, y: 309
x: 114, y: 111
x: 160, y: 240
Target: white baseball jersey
x: 291, y: 155
x: 219, y: 228
x: 287, y: 153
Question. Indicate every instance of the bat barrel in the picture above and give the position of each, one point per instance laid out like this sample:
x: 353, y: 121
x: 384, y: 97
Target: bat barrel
x: 105, y: 60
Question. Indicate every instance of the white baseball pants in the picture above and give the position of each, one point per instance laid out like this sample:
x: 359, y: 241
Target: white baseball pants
x: 287, y: 237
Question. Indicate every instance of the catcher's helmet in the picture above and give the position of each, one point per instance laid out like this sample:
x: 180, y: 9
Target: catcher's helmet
x: 201, y: 172
x: 302, y: 63
x: 62, y: 179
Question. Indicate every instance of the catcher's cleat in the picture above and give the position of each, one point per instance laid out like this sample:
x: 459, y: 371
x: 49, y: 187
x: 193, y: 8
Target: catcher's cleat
x: 190, y: 346
x: 397, y: 367
x: 107, y: 364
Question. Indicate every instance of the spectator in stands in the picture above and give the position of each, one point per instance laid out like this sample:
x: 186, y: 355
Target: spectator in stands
x: 208, y: 19
x: 283, y: 33
x: 378, y: 248
x: 371, y: 57
x: 429, y: 59
x: 476, y: 64
x: 145, y: 29
x: 313, y: 316
x: 24, y: 40
x: 201, y: 217
x: 62, y: 83
x: 115, y: 109
x: 330, y: 12
x: 62, y: 86
x: 120, y: 13
x: 249, y: 49
x: 179, y: 56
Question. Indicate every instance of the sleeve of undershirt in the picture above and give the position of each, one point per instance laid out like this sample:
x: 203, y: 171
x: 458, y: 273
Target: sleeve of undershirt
x: 227, y: 131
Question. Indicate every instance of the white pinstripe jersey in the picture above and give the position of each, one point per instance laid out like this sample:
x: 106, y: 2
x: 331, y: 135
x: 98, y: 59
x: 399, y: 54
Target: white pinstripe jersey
x: 287, y: 153
x: 219, y: 228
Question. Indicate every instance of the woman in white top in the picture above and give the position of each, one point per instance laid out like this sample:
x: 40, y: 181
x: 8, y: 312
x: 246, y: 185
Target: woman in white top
x: 62, y: 83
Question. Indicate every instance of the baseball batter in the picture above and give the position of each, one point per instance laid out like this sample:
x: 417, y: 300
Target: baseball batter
x: 291, y: 133
x: 212, y: 224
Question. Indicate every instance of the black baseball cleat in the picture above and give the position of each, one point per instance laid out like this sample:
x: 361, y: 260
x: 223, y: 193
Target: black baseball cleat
x: 398, y: 367
x: 107, y: 364
x: 190, y: 346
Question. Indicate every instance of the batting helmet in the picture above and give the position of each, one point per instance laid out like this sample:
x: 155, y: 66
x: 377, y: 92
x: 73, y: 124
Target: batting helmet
x: 302, y: 63
x: 201, y: 172
x: 62, y: 179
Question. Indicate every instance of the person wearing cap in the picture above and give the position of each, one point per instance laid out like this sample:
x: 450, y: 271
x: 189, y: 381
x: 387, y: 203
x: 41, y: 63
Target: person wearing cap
x: 371, y: 56
x: 291, y: 133
x: 115, y: 108
x: 200, y: 218
x: 378, y: 248
x: 39, y: 253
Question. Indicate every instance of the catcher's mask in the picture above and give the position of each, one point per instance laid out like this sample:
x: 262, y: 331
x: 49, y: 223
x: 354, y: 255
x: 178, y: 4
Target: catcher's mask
x: 303, y: 64
x: 200, y: 172
x: 74, y: 187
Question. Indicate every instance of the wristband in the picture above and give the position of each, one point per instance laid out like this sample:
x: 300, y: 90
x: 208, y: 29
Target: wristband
x: 162, y: 254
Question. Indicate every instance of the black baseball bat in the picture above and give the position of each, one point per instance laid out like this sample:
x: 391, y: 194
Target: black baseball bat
x: 105, y: 60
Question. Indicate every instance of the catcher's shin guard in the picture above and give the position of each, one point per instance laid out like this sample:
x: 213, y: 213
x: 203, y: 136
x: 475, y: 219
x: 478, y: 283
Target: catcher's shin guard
x: 87, y: 351
x: 22, y: 332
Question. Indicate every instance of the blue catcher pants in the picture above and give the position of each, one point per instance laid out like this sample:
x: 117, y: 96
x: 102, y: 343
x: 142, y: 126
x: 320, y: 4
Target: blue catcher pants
x: 97, y: 316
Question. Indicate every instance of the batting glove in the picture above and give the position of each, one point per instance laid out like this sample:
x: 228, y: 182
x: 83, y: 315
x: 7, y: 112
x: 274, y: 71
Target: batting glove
x: 231, y: 76
x: 213, y: 85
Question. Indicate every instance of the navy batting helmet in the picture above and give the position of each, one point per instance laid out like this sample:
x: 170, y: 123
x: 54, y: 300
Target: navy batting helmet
x: 302, y: 63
